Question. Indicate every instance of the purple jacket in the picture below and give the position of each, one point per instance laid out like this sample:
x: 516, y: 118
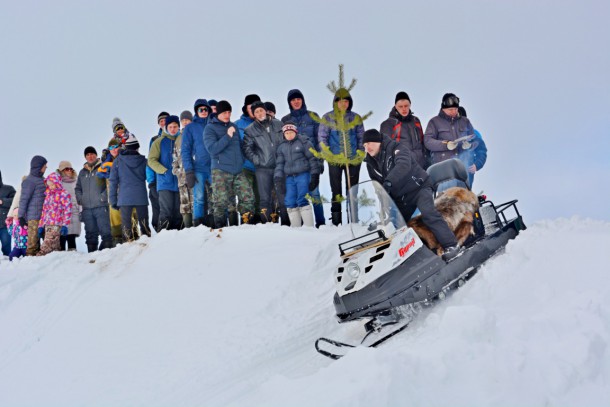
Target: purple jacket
x: 444, y: 128
x: 32, y: 191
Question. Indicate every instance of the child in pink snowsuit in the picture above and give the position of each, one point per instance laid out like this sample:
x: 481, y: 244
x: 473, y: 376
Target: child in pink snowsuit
x: 19, y: 235
x: 56, y: 214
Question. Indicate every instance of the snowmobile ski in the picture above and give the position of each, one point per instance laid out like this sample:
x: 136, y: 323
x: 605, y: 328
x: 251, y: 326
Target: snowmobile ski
x: 338, y: 344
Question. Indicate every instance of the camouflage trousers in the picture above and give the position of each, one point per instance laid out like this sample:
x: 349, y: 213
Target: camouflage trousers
x: 186, y: 199
x: 51, y: 240
x: 226, y: 187
x: 33, y: 239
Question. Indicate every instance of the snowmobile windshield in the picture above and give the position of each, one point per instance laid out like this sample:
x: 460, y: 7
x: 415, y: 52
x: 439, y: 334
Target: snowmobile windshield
x: 372, y: 209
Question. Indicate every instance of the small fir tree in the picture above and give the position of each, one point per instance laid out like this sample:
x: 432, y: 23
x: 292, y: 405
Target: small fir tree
x: 339, y: 123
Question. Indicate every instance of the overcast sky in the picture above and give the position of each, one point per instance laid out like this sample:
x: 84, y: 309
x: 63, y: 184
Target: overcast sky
x: 533, y: 75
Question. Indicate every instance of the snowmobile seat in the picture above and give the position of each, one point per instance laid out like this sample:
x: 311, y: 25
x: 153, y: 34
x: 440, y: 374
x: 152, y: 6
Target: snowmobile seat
x: 448, y: 170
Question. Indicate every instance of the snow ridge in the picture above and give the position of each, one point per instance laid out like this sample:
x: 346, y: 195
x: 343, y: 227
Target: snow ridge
x: 187, y: 318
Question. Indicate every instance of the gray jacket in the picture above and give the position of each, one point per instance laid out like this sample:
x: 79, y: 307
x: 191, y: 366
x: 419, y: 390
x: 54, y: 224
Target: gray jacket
x: 91, y: 190
x: 294, y: 157
x: 261, y: 140
x: 74, y: 226
x: 32, y: 191
x: 443, y: 128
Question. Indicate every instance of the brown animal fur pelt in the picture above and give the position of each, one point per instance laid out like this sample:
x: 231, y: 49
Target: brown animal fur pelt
x: 457, y: 206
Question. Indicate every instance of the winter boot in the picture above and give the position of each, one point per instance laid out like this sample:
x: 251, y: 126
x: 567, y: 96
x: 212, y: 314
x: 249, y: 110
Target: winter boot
x: 105, y: 245
x: 187, y: 220
x: 220, y: 222
x: 91, y: 247
x: 233, y: 219
x: 116, y: 240
x: 263, y: 216
x: 295, y: 217
x: 451, y: 252
x: 306, y: 215
x: 274, y: 217
x: 247, y: 217
x: 336, y: 218
x: 208, y: 220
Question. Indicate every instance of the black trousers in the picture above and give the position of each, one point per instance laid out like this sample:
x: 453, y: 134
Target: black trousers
x: 169, y: 204
x: 335, y: 174
x: 153, y: 195
x: 129, y: 228
x: 266, y: 185
x: 422, y: 200
x: 69, y: 240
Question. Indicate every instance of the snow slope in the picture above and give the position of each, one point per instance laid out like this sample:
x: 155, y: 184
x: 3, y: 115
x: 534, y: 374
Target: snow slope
x: 190, y: 319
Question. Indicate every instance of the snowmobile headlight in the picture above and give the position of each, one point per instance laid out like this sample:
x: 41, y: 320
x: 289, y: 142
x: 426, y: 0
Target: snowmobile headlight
x: 353, y: 270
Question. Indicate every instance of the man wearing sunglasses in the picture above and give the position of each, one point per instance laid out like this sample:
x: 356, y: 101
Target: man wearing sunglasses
x: 196, y: 159
x: 103, y: 172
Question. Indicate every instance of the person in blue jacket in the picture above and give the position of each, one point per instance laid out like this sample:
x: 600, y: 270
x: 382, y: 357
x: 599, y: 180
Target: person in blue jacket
x: 128, y: 189
x: 329, y: 135
x: 160, y: 159
x: 151, y: 176
x: 306, y: 126
x: 474, y: 158
x: 246, y: 119
x: 196, y: 159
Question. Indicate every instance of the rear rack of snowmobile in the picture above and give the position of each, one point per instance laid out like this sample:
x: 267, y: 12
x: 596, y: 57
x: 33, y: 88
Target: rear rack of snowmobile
x: 363, y: 242
x: 499, y: 214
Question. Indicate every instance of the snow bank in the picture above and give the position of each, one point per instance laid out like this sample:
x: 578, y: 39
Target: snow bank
x: 189, y: 318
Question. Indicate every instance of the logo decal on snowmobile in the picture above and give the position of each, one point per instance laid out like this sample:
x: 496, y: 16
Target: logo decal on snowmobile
x: 402, y: 251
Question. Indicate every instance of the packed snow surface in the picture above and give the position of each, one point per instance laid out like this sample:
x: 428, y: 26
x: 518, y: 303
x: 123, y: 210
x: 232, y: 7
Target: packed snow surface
x: 191, y: 319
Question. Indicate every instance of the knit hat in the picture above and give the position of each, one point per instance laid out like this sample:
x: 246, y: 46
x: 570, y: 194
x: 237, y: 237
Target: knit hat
x: 248, y: 101
x: 186, y: 115
x: 462, y: 111
x: 295, y: 93
x: 161, y: 116
x: 172, y: 119
x: 116, y: 122
x: 401, y: 96
x: 290, y: 126
x: 256, y: 105
x: 90, y: 150
x: 270, y: 107
x: 64, y: 164
x: 212, y: 102
x: 372, y: 136
x: 450, y: 100
x: 132, y: 143
x: 223, y: 106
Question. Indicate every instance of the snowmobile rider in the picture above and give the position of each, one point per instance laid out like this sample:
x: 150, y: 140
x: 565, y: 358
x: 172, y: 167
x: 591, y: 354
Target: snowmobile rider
x: 408, y: 184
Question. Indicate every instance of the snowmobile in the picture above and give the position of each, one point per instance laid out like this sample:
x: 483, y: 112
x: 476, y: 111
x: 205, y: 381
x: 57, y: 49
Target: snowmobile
x: 386, y: 274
